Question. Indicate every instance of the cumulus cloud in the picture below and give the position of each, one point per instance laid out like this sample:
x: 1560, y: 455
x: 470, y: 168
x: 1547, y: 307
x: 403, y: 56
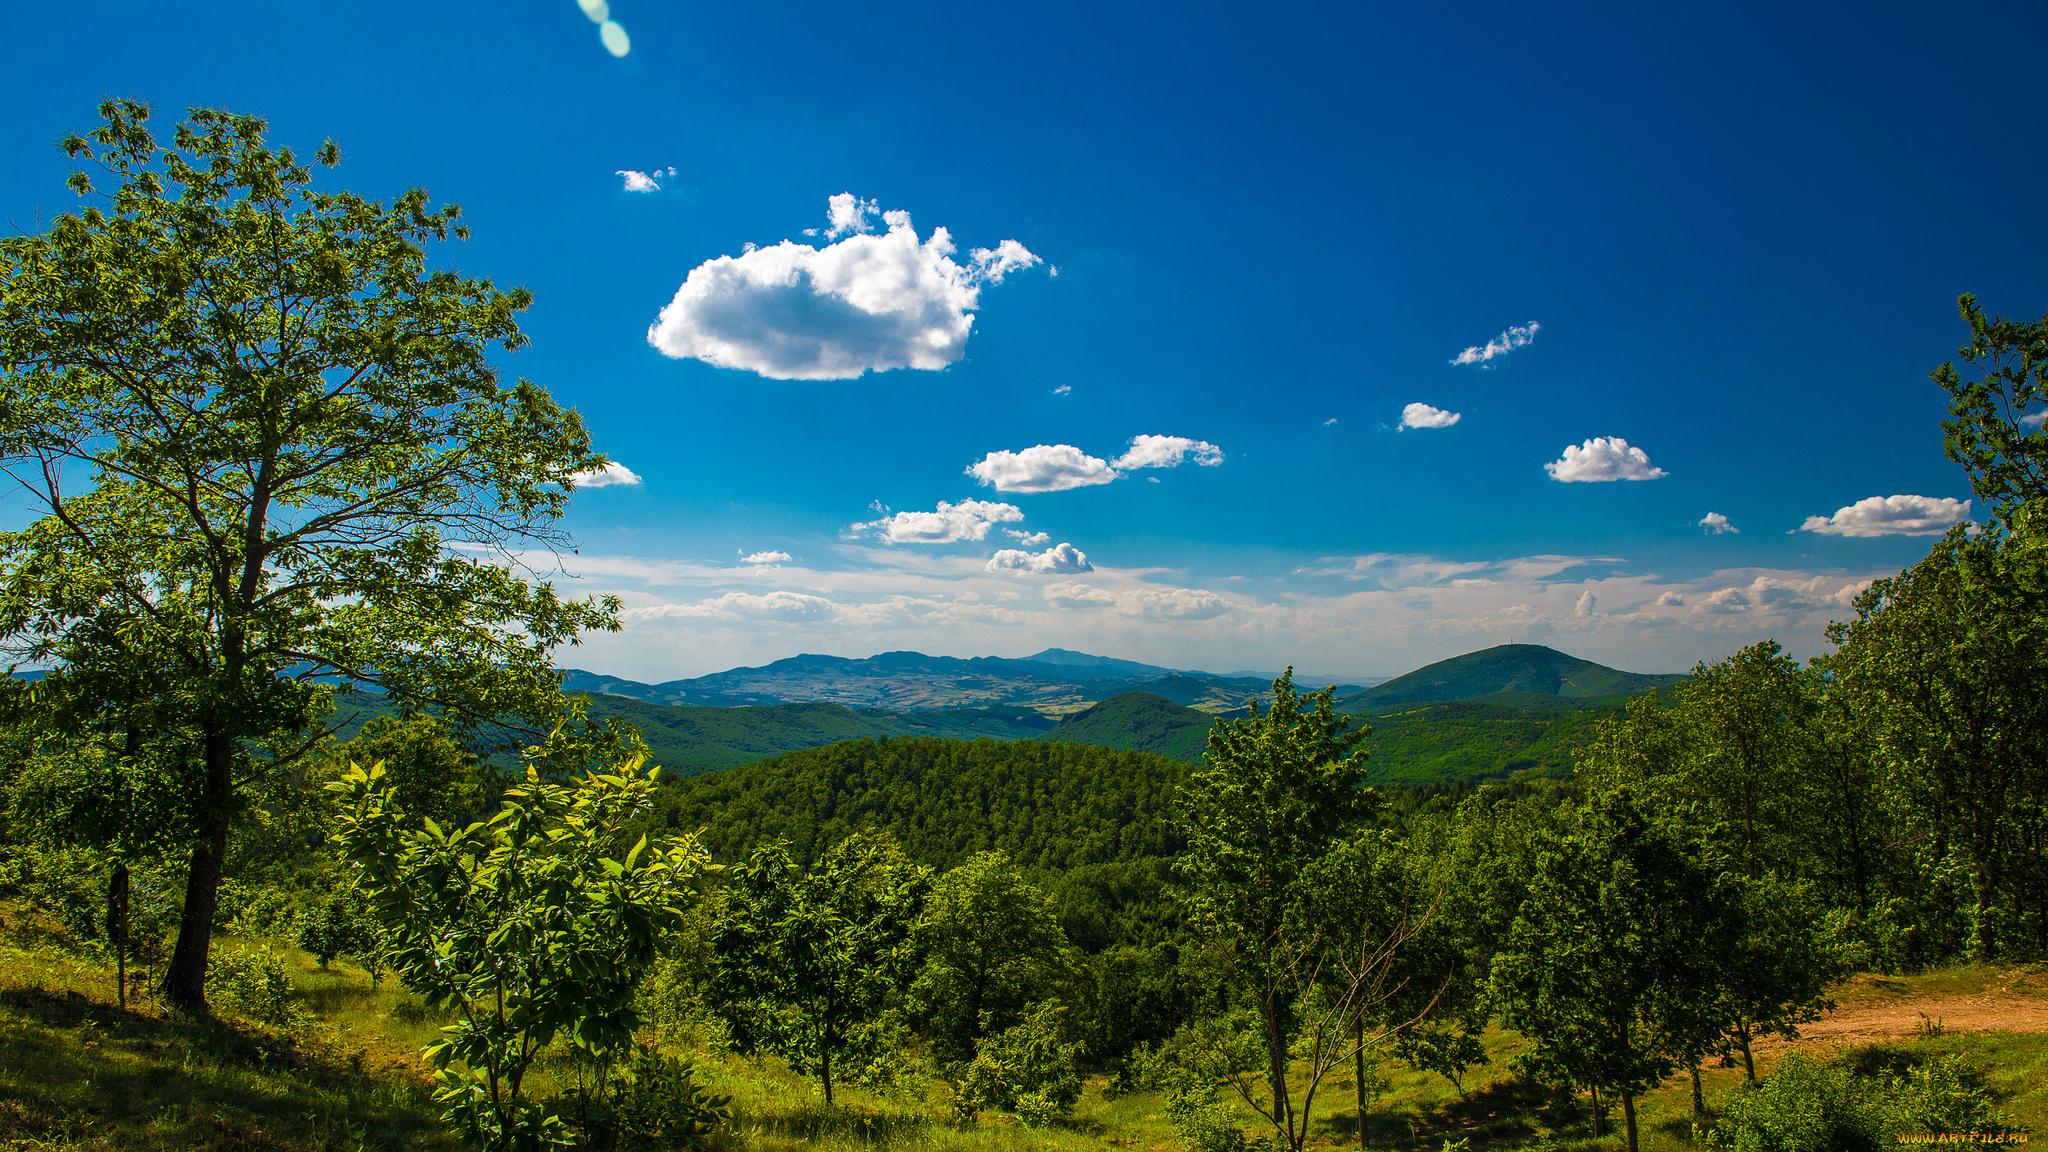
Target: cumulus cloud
x: 639, y: 181
x: 765, y: 558
x: 1774, y: 596
x: 1027, y: 539
x: 2036, y: 419
x: 1060, y: 559
x: 870, y: 302
x: 1584, y: 609
x: 612, y: 473
x: 1892, y: 516
x: 1167, y: 452
x: 947, y: 524
x: 1717, y: 524
x: 1058, y: 467
x: 1500, y: 345
x: 1602, y: 458
x: 1419, y: 415
x: 1042, y: 468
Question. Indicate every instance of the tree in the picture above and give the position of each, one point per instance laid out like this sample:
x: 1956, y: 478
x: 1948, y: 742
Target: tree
x: 2005, y: 454
x: 993, y: 949
x: 272, y: 457
x: 535, y: 923
x: 807, y: 963
x: 1946, y: 669
x: 1274, y: 793
x: 1609, y: 965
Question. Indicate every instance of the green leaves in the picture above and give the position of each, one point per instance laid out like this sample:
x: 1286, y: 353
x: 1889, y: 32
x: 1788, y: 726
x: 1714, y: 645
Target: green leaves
x: 530, y: 925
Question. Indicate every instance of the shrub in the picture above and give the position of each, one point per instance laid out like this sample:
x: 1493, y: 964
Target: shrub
x: 1026, y: 1069
x: 1808, y: 1106
x: 652, y: 1102
x: 256, y: 988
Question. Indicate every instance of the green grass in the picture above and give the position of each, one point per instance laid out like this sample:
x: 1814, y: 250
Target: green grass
x: 79, y: 1072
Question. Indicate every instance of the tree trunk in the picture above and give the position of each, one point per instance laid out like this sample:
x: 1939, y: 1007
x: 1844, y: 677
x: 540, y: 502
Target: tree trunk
x: 1276, y: 1061
x: 825, y: 1070
x: 1358, y: 1038
x: 1699, y: 1105
x: 1628, y: 1115
x: 185, y: 979
x: 1748, y: 1060
x: 1598, y: 1132
x: 1985, y: 936
x: 117, y: 930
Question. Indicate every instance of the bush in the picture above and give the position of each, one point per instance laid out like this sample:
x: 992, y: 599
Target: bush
x: 651, y: 1103
x: 253, y: 987
x: 1808, y: 1106
x: 1027, y: 1070
x: 343, y: 926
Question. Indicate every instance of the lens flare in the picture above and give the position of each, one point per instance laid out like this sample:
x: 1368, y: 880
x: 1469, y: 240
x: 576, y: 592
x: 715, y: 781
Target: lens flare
x: 614, y: 37
x: 597, y: 10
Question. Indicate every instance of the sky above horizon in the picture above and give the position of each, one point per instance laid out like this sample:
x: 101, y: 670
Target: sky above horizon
x: 1209, y: 336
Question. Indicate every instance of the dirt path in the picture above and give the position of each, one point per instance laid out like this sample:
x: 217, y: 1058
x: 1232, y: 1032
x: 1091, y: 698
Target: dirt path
x: 1862, y: 1020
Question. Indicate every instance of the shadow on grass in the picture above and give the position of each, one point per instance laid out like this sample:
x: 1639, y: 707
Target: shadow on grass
x: 1504, y: 1111
x: 76, y: 1065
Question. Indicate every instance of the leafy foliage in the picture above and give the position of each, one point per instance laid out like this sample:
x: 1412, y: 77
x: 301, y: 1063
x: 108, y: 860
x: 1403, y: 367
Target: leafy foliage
x: 525, y: 925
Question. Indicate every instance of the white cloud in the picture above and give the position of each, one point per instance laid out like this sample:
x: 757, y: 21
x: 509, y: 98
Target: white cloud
x: 1058, y: 467
x: 612, y: 473
x: 779, y: 605
x: 967, y: 520
x: 1778, y: 597
x: 846, y: 213
x: 866, y: 303
x: 1330, y: 421
x: 1139, y: 603
x: 640, y: 181
x: 1892, y: 516
x: 1063, y: 389
x: 1671, y: 600
x: 1060, y: 559
x: 1042, y: 468
x: 1167, y: 452
x: 1027, y: 539
x: 2035, y: 420
x: 1717, y: 524
x: 765, y: 558
x: 1602, y: 458
x: 1500, y: 345
x: 1584, y: 609
x: 1419, y: 415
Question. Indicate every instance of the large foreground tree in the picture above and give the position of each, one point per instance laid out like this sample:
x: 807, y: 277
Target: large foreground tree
x: 272, y: 458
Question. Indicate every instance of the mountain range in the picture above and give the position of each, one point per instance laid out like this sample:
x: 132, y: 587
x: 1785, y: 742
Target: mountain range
x: 1512, y: 709
x: 1054, y: 683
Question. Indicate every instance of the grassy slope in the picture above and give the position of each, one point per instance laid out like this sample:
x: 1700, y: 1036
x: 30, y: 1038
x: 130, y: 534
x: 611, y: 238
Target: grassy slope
x: 76, y: 1072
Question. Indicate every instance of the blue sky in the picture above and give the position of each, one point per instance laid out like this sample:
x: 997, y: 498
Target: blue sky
x: 1243, y: 240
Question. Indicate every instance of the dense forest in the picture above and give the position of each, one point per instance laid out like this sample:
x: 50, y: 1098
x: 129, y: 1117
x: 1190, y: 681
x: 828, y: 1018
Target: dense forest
x: 985, y: 922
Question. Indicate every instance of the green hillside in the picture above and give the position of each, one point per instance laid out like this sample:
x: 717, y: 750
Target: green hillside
x: 1058, y: 806
x: 1519, y: 668
x: 1139, y: 722
x: 688, y: 740
x: 1516, y: 734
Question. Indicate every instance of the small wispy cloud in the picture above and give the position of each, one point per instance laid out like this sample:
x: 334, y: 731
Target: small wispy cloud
x: 2035, y: 420
x: 1419, y: 415
x: 1602, y: 458
x: 1717, y: 525
x: 765, y: 558
x: 1330, y: 421
x: 1027, y: 539
x: 1892, y: 516
x: 1063, y: 389
x: 612, y: 473
x: 644, y: 181
x: 1500, y: 345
